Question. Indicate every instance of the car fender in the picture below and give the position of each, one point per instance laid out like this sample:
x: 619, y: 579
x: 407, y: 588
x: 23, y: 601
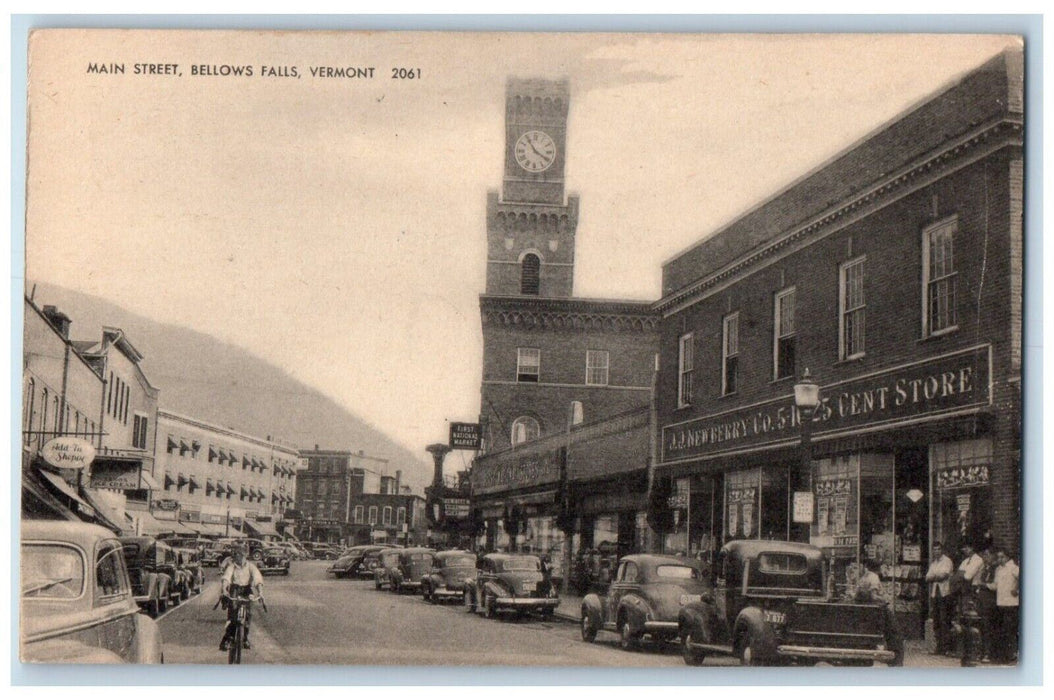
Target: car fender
x: 701, y: 620
x: 751, y: 620
x: 151, y: 586
x: 67, y: 651
x: 593, y: 606
x: 147, y: 641
x: 635, y: 609
x: 496, y: 589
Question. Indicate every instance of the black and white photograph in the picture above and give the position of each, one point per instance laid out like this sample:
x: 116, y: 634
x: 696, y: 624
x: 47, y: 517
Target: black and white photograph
x: 523, y: 349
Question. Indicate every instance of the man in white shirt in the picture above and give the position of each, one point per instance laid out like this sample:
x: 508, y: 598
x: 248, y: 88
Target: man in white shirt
x: 1006, y: 583
x: 972, y: 567
x: 938, y: 577
x: 240, y: 578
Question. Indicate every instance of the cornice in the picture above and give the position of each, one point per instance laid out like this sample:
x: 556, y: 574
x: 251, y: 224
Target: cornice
x: 986, y: 139
x: 579, y: 314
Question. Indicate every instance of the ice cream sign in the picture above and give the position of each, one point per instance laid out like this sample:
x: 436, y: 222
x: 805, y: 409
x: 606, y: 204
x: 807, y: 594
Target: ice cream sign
x: 954, y: 383
x: 68, y: 452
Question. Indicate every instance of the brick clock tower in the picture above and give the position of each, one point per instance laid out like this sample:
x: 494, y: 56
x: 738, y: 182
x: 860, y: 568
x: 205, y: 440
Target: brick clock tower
x: 548, y: 357
x: 531, y: 228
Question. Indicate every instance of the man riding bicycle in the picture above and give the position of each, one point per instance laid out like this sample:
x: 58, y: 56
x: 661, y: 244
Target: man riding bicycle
x: 240, y: 578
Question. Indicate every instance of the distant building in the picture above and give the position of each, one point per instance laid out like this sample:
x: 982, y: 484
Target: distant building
x: 343, y: 497
x: 216, y: 480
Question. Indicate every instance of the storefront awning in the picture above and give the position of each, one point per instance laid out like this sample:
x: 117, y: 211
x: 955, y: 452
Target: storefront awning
x: 194, y: 483
x: 147, y: 524
x: 59, y: 483
x: 261, y: 529
x: 38, y: 502
x: 211, y: 529
x: 149, y: 481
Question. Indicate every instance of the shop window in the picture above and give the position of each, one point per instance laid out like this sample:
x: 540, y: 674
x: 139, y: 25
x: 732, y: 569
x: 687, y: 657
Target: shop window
x: 528, y: 364
x: 939, y: 277
x: 525, y: 429
x: 597, y: 367
x: 784, y: 336
x: 530, y: 269
x: 742, y: 489
x: 685, y: 368
x: 851, y: 310
x: 963, y: 505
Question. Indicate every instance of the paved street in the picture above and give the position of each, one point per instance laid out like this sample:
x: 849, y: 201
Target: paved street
x: 316, y: 619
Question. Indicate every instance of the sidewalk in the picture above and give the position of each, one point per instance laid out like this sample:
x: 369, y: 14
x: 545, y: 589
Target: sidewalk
x: 915, y: 653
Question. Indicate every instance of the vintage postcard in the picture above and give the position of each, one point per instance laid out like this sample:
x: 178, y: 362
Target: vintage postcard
x: 522, y: 349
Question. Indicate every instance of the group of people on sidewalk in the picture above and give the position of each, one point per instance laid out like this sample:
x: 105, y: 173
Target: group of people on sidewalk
x: 974, y: 607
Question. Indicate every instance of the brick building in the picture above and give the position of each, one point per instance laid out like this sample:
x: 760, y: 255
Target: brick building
x: 346, y: 497
x: 893, y: 273
x: 552, y: 363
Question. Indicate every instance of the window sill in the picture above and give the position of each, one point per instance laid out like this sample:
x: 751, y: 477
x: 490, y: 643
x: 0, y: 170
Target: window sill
x: 937, y: 335
x: 851, y: 360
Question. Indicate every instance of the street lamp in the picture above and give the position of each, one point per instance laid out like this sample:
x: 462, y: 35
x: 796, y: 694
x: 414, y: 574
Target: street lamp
x: 806, y: 400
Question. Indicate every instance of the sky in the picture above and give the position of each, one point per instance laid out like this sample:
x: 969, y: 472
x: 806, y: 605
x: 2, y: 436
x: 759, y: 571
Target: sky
x: 335, y: 227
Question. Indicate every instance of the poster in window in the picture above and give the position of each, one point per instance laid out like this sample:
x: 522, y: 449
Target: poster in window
x: 733, y: 519
x: 841, y: 510
x: 748, y: 519
x: 823, y: 513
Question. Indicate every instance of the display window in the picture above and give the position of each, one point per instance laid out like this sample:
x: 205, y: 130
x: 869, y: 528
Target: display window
x: 962, y: 508
x: 742, y: 504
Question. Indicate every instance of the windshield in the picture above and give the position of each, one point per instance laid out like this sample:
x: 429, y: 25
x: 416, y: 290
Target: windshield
x: 51, y: 571
x: 684, y: 573
x: 521, y: 564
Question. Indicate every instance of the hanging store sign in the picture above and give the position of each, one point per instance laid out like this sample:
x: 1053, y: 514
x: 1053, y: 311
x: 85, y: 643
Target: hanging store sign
x: 66, y: 452
x: 465, y: 436
x: 951, y: 383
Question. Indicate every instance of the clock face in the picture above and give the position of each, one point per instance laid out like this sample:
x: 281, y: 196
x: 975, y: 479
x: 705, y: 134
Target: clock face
x: 535, y: 151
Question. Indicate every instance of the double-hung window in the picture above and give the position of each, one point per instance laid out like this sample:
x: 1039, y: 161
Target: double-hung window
x: 387, y: 516
x: 938, y: 277
x: 139, y: 423
x: 851, y: 310
x: 730, y: 355
x: 685, y: 368
x: 597, y: 367
x: 373, y: 515
x: 783, y: 346
x: 358, y: 515
x: 528, y: 364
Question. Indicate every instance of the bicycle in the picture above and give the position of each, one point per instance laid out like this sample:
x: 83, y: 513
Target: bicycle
x: 237, y: 635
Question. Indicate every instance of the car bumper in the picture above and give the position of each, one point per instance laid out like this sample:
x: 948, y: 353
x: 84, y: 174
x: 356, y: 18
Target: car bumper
x: 409, y: 584
x: 652, y: 626
x: 448, y: 592
x: 527, y: 602
x: 273, y: 569
x: 835, y: 654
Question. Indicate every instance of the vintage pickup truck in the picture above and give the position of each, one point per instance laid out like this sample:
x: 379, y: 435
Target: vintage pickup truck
x: 769, y: 605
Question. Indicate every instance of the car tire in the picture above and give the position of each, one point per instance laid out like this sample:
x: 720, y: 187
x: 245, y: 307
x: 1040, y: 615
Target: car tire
x: 748, y: 651
x: 692, y: 657
x: 627, y: 641
x: 470, y: 604
x: 589, y: 630
x: 488, y: 606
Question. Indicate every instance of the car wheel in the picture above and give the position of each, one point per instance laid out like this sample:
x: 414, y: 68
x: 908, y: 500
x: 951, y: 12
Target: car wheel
x: 692, y: 657
x: 748, y: 651
x: 488, y: 606
x: 627, y: 641
x: 589, y: 630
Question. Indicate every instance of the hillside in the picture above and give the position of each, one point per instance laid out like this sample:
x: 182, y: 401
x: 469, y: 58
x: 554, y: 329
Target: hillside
x: 206, y: 378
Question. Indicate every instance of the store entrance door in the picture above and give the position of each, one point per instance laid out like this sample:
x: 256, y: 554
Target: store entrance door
x: 912, y: 548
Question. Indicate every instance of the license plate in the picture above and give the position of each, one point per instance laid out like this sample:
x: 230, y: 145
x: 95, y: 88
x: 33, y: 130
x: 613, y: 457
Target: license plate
x: 774, y: 617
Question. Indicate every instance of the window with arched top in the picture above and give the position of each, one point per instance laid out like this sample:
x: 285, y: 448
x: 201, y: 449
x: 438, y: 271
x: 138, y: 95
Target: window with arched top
x: 530, y: 267
x: 525, y: 429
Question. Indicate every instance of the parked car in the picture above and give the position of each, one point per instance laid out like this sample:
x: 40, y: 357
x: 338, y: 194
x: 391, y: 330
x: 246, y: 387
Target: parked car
x: 643, y: 599
x: 213, y: 554
x: 450, y: 570
x: 349, y: 563
x: 511, y: 582
x: 189, y: 561
x: 769, y: 605
x: 274, y: 560
x: 153, y: 572
x: 387, y: 561
x: 411, y: 566
x: 370, y: 562
x: 77, y: 602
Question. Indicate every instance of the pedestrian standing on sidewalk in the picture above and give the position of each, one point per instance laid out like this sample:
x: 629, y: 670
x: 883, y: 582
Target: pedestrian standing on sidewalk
x: 970, y: 570
x: 986, y: 605
x: 938, y: 576
x: 1007, y: 584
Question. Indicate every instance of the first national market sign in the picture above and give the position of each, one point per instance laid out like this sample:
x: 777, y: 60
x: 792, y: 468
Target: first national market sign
x: 949, y: 384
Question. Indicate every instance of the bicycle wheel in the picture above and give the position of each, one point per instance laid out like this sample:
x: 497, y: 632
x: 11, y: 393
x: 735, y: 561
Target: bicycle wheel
x: 234, y: 653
